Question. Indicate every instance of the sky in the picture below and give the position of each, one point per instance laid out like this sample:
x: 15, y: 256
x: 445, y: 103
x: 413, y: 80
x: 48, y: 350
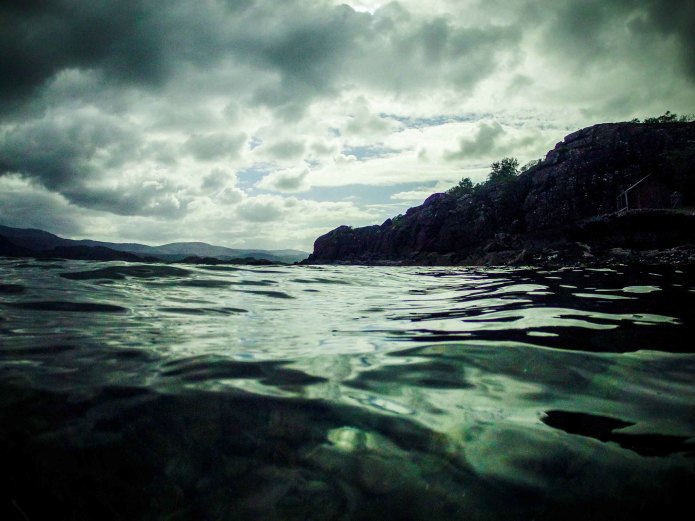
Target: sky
x: 264, y: 124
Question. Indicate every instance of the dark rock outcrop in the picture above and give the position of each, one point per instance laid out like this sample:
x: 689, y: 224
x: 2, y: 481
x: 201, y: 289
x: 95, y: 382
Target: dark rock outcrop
x: 558, y: 209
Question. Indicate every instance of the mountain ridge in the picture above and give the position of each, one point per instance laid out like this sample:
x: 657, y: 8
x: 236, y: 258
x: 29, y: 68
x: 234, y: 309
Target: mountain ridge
x: 41, y: 241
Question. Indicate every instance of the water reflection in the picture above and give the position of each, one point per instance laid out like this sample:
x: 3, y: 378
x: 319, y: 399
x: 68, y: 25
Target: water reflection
x: 344, y: 392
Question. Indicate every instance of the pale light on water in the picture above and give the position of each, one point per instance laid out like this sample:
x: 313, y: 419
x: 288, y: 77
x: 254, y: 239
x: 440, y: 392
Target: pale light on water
x: 345, y: 392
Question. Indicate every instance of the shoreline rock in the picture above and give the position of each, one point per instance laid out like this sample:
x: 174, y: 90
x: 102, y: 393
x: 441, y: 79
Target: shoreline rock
x: 561, y: 211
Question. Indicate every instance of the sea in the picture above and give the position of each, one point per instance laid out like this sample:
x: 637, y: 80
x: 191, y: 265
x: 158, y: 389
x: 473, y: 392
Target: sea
x: 179, y: 392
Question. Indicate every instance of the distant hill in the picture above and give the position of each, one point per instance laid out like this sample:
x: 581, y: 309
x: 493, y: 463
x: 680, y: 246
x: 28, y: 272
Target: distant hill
x: 33, y: 240
x: 36, y: 240
x: 10, y: 249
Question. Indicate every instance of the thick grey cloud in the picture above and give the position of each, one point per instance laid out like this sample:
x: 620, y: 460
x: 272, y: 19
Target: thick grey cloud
x: 220, y: 185
x: 285, y: 180
x: 483, y: 143
x: 215, y: 180
x: 130, y: 107
x: 309, y: 48
x: 151, y: 198
x: 144, y: 43
x: 674, y: 18
x: 599, y: 33
x: 493, y: 141
x: 58, y: 151
x: 215, y: 145
x: 39, y: 38
x: 73, y: 154
x: 41, y: 209
x: 286, y: 149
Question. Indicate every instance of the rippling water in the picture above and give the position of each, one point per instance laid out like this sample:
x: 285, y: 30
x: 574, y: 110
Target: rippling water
x: 320, y: 393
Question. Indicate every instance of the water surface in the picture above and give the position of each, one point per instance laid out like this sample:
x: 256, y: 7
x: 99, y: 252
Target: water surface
x: 174, y: 392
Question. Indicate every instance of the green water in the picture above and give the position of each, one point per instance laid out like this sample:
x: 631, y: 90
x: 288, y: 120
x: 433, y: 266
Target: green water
x: 178, y: 392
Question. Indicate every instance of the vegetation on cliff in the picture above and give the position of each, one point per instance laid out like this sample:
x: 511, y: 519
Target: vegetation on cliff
x: 668, y: 117
x: 502, y: 171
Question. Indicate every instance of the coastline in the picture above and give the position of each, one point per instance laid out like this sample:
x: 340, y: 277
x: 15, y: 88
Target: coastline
x: 635, y: 237
x: 614, y: 193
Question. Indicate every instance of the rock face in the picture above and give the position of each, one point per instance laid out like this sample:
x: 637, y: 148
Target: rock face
x: 557, y: 204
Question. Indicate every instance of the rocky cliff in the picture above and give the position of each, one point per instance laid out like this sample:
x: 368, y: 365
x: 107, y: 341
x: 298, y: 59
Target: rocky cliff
x: 563, y: 208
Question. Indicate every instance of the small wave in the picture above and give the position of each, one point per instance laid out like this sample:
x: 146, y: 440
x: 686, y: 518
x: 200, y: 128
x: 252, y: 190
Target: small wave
x: 204, y: 311
x: 641, y: 289
x: 204, y: 283
x: 121, y: 272
x: 48, y: 349
x: 433, y: 374
x: 255, y: 283
x: 61, y: 305
x: 321, y: 280
x: 604, y: 296
x: 42, y: 265
x: 218, y: 268
x: 202, y: 368
x: 9, y: 289
x: 261, y: 271
x: 272, y: 294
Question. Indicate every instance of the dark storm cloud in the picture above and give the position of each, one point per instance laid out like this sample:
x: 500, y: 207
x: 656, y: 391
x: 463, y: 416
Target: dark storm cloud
x: 585, y: 29
x: 154, y: 198
x: 57, y: 152
x: 307, y: 48
x: 64, y: 53
x: 39, y: 38
x: 144, y: 42
x: 73, y: 155
x: 417, y: 55
x: 19, y: 208
x: 675, y: 18
x: 596, y: 32
x: 118, y: 59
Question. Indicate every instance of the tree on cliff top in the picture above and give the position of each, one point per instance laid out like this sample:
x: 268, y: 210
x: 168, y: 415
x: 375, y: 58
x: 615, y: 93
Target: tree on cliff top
x: 464, y: 187
x: 668, y: 117
x: 503, y: 170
